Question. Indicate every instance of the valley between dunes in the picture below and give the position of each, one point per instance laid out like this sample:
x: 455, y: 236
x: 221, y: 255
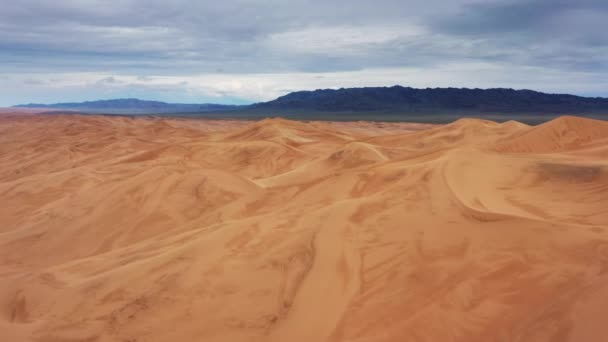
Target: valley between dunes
x: 148, y: 229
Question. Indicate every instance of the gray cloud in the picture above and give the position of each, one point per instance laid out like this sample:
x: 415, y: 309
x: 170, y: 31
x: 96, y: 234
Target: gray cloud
x: 253, y: 37
x: 236, y: 36
x: 533, y: 17
x: 563, y: 34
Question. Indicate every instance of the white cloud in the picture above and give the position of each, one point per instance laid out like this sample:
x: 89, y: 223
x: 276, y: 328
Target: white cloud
x: 267, y: 86
x: 340, y: 40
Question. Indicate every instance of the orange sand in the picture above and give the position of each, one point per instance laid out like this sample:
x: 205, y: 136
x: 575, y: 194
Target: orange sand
x: 123, y: 229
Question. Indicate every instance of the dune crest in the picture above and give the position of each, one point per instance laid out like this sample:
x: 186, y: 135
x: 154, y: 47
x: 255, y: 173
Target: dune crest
x: 558, y: 135
x: 147, y: 229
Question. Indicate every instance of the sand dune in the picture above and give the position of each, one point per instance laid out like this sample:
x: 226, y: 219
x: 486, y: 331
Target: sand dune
x: 125, y: 229
x: 562, y: 134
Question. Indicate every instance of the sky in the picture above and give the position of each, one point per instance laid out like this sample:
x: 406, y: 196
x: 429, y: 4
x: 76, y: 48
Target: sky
x: 244, y: 51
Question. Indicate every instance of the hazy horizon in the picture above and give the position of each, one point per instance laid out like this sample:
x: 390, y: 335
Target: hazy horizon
x: 243, y: 103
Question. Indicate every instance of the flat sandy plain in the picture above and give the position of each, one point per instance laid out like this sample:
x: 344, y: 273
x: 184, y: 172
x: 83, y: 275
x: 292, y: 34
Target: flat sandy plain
x: 143, y: 229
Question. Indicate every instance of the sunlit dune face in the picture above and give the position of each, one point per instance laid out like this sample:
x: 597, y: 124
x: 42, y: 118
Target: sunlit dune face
x: 149, y: 229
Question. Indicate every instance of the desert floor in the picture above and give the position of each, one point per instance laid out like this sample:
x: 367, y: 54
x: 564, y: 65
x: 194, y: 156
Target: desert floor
x: 143, y: 229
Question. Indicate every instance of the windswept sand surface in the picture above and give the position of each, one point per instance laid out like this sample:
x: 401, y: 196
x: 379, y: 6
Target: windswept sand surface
x: 122, y: 229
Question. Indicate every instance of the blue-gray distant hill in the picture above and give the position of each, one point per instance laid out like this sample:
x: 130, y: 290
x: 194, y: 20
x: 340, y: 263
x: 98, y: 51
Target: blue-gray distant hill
x: 133, y: 106
x: 403, y: 100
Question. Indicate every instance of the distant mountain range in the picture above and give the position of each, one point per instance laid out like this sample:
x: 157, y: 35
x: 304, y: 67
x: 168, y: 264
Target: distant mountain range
x: 393, y: 101
x: 133, y: 106
x: 399, y: 99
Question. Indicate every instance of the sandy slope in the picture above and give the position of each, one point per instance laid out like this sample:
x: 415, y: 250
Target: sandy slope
x: 121, y: 229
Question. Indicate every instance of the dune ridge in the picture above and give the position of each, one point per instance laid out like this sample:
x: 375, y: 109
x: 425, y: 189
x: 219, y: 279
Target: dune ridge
x: 149, y: 229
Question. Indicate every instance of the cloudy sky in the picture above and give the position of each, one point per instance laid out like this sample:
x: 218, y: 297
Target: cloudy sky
x: 242, y: 51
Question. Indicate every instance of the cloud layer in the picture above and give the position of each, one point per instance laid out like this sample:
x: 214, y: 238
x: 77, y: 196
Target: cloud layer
x: 251, y: 50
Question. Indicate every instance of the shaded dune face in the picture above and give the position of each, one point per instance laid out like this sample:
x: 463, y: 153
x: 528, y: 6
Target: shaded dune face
x: 123, y: 229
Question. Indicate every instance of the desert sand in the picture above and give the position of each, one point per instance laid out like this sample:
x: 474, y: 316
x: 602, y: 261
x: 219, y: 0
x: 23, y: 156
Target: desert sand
x: 148, y: 229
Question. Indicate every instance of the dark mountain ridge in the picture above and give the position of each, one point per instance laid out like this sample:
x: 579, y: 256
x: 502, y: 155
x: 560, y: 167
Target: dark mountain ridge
x: 411, y: 100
